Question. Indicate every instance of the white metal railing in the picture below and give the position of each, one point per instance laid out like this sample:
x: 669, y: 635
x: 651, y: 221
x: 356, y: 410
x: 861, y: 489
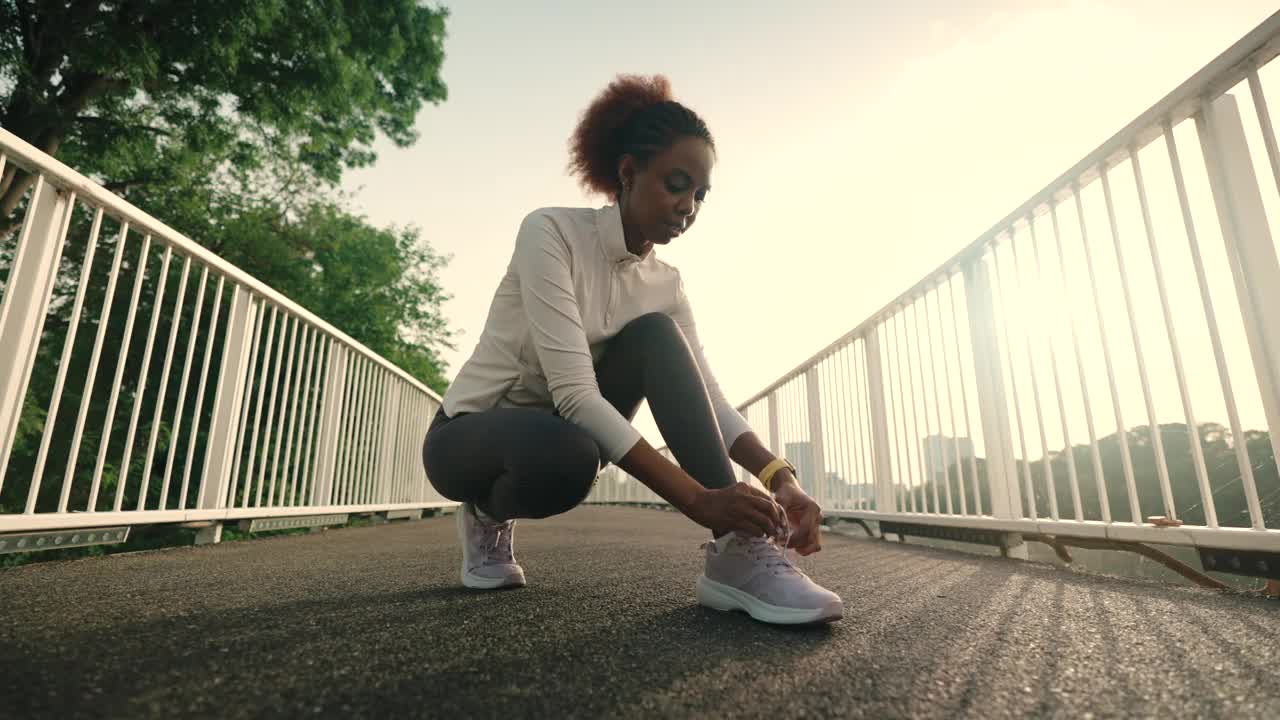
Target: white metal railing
x: 238, y: 404
x: 997, y: 392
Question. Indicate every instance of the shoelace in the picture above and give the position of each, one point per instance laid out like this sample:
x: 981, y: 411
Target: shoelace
x: 502, y: 549
x: 773, y: 554
x: 496, y: 543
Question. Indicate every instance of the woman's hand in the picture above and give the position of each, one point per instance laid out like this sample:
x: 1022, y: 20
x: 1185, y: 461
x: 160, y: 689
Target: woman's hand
x: 740, y: 507
x: 805, y: 517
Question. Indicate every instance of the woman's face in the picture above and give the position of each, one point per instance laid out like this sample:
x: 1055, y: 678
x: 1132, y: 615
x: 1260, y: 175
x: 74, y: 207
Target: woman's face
x: 661, y: 200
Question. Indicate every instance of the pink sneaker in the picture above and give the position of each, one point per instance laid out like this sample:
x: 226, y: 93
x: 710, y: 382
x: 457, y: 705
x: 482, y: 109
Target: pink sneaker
x: 752, y: 574
x: 488, y: 561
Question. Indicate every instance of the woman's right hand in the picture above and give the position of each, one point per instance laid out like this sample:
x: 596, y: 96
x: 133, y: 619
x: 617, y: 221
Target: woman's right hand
x: 741, y: 507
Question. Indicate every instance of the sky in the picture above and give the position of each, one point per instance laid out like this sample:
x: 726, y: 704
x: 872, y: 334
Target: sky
x: 860, y: 144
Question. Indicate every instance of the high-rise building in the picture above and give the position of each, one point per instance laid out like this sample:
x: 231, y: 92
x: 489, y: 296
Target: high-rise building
x: 801, y: 455
x: 835, y: 489
x: 939, y: 453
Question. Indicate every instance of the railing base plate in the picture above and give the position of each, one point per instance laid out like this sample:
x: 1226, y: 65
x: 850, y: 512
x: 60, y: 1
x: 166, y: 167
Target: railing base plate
x: 288, y: 523
x: 977, y: 536
x: 1242, y: 562
x: 59, y: 539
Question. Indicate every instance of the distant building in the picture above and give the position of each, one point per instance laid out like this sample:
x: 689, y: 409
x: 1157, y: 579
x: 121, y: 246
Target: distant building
x: 837, y: 488
x: 801, y: 455
x: 939, y: 453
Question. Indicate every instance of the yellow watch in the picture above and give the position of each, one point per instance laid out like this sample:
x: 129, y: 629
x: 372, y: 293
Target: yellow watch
x: 766, y: 475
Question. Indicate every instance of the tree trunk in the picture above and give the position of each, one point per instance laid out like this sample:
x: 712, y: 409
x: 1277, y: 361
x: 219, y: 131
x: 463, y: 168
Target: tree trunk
x: 14, y: 194
x: 54, y: 123
x: 6, y: 179
x: 20, y: 181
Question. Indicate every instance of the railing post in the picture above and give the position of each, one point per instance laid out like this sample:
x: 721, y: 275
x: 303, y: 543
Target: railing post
x: 1251, y: 254
x: 424, y: 488
x: 26, y: 302
x: 390, y: 420
x: 745, y: 475
x: 883, y: 478
x: 335, y: 379
x: 818, y: 459
x: 775, y: 438
x: 232, y: 376
x: 1006, y: 497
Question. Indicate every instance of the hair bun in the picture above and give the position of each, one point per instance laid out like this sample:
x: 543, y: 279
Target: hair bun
x: 596, y: 139
x: 637, y: 91
x: 634, y: 114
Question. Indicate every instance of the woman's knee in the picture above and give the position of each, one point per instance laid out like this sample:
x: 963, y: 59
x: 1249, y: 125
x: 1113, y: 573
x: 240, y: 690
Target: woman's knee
x: 437, y: 470
x: 655, y: 327
x: 582, y: 465
x: 568, y: 478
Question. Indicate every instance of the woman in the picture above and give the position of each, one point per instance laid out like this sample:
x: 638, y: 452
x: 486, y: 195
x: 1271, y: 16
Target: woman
x: 587, y: 323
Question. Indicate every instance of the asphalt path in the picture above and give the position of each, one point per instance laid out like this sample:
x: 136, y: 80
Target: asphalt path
x: 372, y: 622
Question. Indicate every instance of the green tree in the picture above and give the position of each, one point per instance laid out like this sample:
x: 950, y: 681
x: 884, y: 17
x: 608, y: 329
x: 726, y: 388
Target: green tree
x: 379, y: 286
x: 112, y: 85
x: 1222, y: 470
x: 232, y: 122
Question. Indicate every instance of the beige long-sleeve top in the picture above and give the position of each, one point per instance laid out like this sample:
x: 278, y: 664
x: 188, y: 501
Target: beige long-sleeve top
x: 572, y: 285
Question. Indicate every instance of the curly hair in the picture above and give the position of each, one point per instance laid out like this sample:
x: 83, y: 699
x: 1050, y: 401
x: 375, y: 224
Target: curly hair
x: 635, y: 115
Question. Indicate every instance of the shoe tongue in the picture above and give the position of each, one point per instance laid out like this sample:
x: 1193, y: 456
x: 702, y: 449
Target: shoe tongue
x: 490, y: 522
x: 722, y: 542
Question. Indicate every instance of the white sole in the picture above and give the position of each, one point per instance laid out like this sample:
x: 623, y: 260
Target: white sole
x: 719, y: 596
x: 476, y: 582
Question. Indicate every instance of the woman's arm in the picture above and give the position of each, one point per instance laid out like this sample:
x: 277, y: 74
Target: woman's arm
x: 732, y: 424
x: 803, y: 513
x: 543, y: 264
x: 739, y: 507
x: 751, y: 454
x: 745, y: 447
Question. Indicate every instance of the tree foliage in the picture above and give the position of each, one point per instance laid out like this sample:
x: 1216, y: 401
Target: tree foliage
x: 232, y: 122
x: 1223, y: 473
x: 111, y: 83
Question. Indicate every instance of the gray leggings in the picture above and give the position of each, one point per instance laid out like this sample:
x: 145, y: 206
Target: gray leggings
x: 529, y: 463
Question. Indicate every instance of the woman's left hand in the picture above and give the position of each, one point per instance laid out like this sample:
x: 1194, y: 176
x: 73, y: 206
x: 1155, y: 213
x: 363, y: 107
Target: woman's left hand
x: 805, y: 518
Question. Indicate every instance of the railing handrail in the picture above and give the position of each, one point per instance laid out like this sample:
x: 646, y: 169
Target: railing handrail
x: 1223, y: 72
x: 33, y: 160
x: 871, y: 405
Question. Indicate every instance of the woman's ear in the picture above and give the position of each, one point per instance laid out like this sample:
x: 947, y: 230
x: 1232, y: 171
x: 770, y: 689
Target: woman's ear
x: 626, y: 170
